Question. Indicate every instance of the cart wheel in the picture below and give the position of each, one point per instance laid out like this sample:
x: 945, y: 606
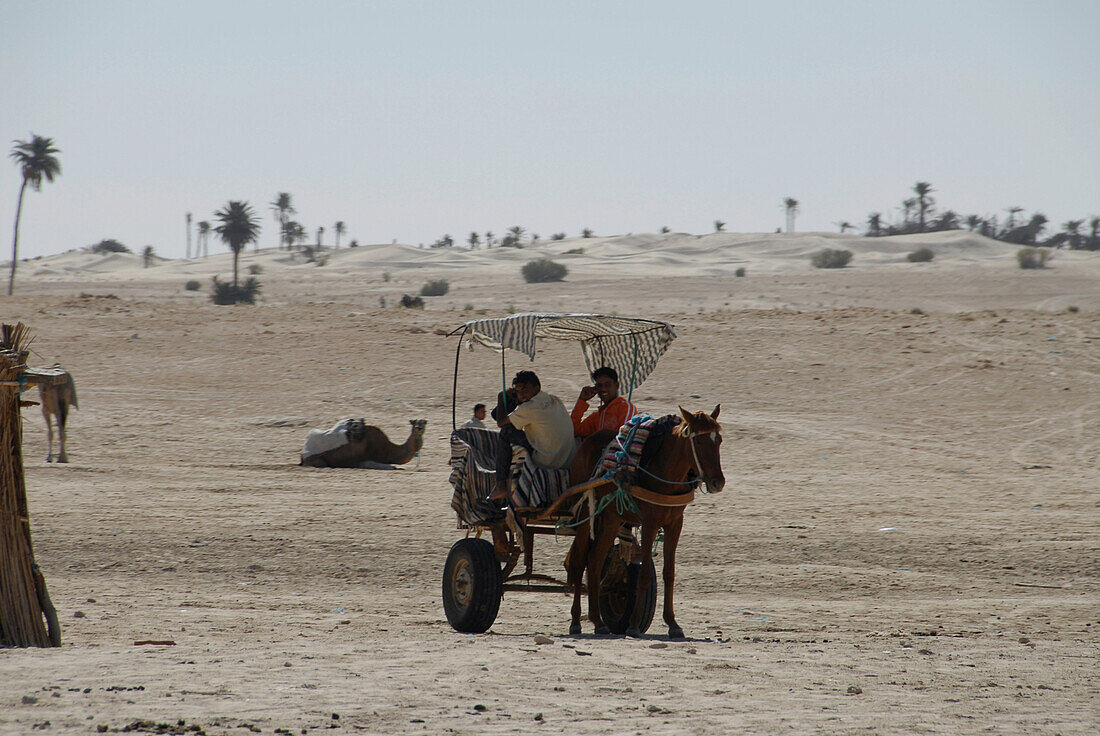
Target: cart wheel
x: 618, y: 589
x: 471, y: 586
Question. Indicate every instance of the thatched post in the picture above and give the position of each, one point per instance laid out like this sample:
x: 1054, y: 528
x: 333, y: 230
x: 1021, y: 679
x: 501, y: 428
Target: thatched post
x: 23, y: 597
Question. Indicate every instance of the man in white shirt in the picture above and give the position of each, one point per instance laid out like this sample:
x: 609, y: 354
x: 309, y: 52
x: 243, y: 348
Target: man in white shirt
x: 478, y: 420
x: 541, y: 423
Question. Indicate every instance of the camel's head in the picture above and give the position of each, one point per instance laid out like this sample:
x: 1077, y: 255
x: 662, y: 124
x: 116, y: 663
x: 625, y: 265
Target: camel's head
x: 705, y: 434
x: 418, y: 426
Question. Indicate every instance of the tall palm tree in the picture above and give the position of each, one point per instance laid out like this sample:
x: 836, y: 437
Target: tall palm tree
x: 874, y: 224
x: 792, y: 209
x: 283, y: 207
x: 473, y: 240
x: 340, y: 230
x: 320, y: 234
x: 972, y: 222
x: 907, y: 206
x: 1073, y: 229
x: 239, y: 227
x: 489, y: 239
x: 188, y: 234
x: 1035, y: 227
x: 517, y: 232
x: 924, y: 202
x: 719, y: 226
x: 1012, y: 212
x: 294, y: 233
x: 204, y: 238
x: 36, y: 161
x: 147, y: 256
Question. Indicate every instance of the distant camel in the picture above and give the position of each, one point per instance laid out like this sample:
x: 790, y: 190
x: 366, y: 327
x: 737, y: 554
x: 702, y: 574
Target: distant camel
x: 368, y: 443
x: 56, y: 400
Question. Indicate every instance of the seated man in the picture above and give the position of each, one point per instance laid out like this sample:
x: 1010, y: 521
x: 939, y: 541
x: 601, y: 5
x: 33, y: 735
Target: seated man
x: 613, y: 411
x: 539, y: 423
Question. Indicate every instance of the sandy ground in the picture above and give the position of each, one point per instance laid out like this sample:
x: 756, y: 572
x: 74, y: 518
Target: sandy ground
x: 907, y: 542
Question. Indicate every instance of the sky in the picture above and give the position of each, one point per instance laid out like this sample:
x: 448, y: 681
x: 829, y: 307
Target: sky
x: 409, y: 120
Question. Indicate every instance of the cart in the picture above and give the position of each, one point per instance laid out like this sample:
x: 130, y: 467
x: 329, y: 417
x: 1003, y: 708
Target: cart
x: 475, y: 577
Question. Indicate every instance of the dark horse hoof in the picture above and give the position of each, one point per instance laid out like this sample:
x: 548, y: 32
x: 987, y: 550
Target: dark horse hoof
x: 574, y: 629
x: 602, y: 630
x: 675, y: 632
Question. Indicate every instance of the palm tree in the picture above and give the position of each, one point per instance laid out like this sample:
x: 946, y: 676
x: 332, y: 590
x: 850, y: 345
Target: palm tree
x: 1012, y: 212
x: 844, y: 226
x: 1073, y: 229
x: 36, y: 161
x: 320, y: 234
x: 517, y: 232
x: 473, y: 240
x: 1035, y: 227
x: 283, y: 207
x: 489, y: 239
x: 188, y: 234
x: 792, y: 209
x: 147, y: 256
x: 924, y: 203
x: 907, y: 206
x: 1094, y: 233
x: 874, y: 224
x: 239, y: 227
x: 294, y: 233
x: 204, y: 238
x: 719, y: 226
x: 973, y: 222
x: 340, y: 230
x: 586, y: 233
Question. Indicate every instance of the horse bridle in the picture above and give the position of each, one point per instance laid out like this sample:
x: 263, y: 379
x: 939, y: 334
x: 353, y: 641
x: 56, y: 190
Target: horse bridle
x: 690, y: 436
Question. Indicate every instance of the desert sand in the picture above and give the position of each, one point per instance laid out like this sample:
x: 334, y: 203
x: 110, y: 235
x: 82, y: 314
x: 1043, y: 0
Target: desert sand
x: 907, y: 542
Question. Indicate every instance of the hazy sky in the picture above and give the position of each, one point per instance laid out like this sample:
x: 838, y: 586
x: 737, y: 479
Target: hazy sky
x: 408, y: 120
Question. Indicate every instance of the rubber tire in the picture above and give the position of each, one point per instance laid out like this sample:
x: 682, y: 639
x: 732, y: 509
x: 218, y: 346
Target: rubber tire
x: 472, y: 586
x: 618, y: 590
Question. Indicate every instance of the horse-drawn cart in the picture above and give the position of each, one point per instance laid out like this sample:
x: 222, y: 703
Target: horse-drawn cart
x: 477, y: 573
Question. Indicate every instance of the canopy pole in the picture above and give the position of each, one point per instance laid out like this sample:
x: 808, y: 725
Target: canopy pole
x: 454, y: 388
x: 633, y: 370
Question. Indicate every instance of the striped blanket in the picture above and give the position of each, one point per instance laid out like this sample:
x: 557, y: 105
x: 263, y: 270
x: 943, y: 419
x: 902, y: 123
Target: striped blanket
x: 473, y: 462
x: 635, y: 444
x: 473, y: 466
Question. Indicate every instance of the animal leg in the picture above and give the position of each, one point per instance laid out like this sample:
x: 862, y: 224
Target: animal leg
x: 575, y: 564
x: 597, y: 555
x: 672, y: 538
x: 649, y: 534
x: 49, y: 434
x: 61, y: 422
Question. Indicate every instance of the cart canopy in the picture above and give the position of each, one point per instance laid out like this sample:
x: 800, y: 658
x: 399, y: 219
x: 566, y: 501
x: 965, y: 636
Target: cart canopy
x: 631, y: 346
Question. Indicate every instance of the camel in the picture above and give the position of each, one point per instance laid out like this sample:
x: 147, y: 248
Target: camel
x: 369, y: 444
x: 56, y: 400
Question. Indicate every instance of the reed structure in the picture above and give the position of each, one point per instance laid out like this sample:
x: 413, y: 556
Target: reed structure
x: 27, y: 616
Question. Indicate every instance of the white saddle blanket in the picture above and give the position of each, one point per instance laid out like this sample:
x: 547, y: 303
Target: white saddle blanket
x: 323, y: 440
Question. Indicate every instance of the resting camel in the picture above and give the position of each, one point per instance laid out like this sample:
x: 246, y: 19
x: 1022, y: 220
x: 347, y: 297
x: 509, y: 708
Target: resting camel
x: 370, y: 444
x: 56, y: 400
x: 690, y: 450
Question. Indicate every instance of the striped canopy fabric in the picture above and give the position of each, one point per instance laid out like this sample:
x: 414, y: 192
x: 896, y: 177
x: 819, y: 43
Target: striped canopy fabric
x: 630, y: 346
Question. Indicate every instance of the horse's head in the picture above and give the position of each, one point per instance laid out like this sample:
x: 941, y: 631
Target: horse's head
x: 704, y: 434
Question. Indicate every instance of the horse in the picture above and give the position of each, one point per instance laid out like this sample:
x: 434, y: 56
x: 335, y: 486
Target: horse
x: 691, y: 448
x: 56, y: 400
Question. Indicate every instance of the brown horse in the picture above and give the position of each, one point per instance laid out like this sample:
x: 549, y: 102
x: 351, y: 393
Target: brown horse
x: 56, y: 400
x: 693, y: 446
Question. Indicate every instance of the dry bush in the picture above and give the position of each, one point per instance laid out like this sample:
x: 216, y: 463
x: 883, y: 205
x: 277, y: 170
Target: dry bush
x: 921, y: 255
x: 439, y: 287
x: 831, y: 258
x: 1033, y: 257
x: 543, y: 270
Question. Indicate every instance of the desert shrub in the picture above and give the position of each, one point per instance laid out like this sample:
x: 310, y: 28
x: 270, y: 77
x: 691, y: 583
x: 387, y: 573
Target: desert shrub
x: 739, y: 272
x: 558, y: 236
x: 916, y: 310
x: 412, y: 302
x: 831, y: 258
x: 468, y: 308
x: 109, y: 246
x: 586, y: 233
x: 386, y: 276
x: 192, y: 285
x: 244, y: 293
x: 438, y: 287
x: 543, y: 270
x: 1072, y: 308
x: 574, y: 251
x: 255, y: 268
x: 510, y: 241
x: 921, y: 255
x: 1033, y: 257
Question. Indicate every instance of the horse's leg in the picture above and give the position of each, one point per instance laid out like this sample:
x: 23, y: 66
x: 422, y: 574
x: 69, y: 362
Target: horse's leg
x: 597, y: 555
x: 649, y: 534
x: 62, y: 420
x: 672, y: 538
x: 49, y: 430
x: 578, y: 553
